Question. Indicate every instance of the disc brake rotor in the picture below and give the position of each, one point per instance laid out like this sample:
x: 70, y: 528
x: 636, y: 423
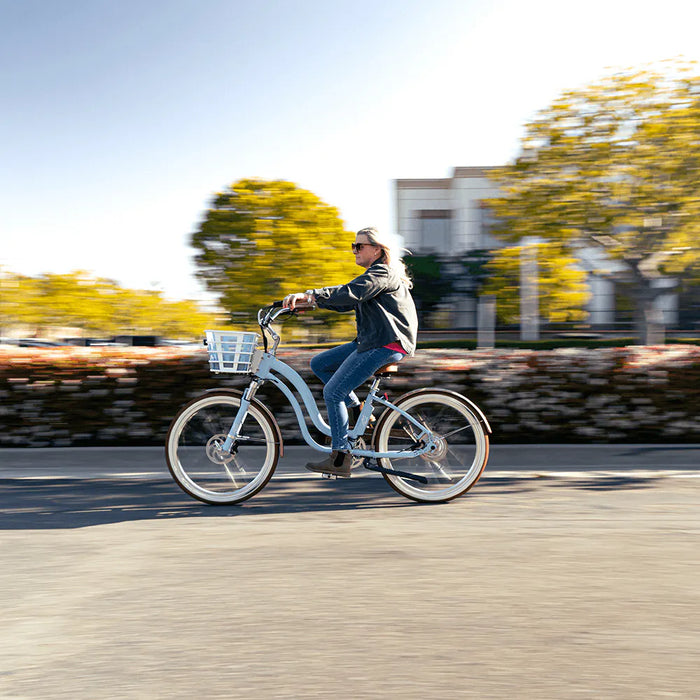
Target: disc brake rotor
x: 214, y: 450
x: 438, y: 453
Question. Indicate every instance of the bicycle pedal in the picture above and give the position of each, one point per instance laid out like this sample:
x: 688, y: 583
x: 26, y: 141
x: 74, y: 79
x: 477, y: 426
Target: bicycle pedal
x: 326, y: 476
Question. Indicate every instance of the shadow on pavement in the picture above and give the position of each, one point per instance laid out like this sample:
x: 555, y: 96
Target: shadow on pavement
x: 31, y: 504
x: 73, y: 503
x: 648, y: 449
x: 607, y: 483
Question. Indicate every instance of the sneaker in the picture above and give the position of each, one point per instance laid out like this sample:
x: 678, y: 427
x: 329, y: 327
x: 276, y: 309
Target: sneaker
x: 337, y: 464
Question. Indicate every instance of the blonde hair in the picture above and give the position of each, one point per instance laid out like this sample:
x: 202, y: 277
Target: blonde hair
x: 391, y: 248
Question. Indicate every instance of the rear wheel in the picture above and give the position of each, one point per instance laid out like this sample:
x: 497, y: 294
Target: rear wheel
x: 461, y: 445
x: 202, y: 468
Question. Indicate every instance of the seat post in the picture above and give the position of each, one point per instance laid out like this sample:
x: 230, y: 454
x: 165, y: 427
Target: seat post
x: 384, y: 371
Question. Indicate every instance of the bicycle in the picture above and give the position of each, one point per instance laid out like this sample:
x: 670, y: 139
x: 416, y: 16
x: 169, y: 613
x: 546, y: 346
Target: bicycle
x: 430, y: 445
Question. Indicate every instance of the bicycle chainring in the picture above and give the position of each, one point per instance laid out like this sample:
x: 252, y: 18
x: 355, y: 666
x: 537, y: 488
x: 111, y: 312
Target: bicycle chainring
x: 358, y: 444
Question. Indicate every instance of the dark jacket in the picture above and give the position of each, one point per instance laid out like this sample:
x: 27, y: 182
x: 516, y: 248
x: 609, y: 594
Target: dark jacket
x: 383, y: 306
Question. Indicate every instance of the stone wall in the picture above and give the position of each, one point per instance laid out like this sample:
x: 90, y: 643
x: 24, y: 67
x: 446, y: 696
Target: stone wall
x: 93, y: 396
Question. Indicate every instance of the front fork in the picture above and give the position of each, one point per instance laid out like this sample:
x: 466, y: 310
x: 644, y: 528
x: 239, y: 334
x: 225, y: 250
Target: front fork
x: 246, y: 400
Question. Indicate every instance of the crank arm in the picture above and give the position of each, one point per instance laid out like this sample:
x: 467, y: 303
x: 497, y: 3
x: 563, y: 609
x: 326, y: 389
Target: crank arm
x: 395, y: 472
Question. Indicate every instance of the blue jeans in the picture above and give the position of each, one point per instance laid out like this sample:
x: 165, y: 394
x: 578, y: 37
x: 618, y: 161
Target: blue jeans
x: 342, y: 370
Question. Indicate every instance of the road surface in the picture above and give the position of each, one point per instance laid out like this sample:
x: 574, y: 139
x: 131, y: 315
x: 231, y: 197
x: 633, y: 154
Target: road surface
x: 536, y: 584
x: 149, y: 462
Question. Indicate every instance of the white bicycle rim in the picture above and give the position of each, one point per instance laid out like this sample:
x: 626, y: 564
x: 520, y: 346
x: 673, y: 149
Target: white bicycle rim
x: 234, y: 494
x: 472, y: 471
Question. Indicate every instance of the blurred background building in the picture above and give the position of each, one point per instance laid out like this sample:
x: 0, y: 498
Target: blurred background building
x: 447, y: 217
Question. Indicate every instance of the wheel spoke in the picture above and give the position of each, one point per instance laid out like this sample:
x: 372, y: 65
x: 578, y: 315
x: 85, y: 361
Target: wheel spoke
x: 440, y: 471
x: 454, y: 432
x: 240, y: 468
x: 230, y: 475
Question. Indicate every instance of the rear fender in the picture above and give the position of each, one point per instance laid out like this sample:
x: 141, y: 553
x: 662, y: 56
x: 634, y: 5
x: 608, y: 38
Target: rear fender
x: 445, y: 392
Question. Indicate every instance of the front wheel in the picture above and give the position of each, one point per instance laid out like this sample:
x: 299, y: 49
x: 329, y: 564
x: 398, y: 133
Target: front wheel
x: 461, y: 445
x: 199, y: 465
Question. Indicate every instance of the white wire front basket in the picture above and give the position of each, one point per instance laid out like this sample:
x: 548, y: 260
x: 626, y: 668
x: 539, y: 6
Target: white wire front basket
x: 231, y: 351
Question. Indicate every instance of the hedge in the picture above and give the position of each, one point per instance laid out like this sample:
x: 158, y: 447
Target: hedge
x: 116, y: 396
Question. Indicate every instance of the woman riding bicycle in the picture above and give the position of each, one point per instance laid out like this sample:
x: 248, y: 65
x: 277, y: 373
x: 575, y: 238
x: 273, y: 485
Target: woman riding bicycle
x: 386, y: 332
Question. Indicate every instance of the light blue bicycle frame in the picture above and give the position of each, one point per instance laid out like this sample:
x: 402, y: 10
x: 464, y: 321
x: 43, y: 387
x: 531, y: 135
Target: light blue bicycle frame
x: 273, y: 370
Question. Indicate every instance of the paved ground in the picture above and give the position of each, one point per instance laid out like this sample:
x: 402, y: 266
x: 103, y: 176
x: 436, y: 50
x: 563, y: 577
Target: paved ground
x: 573, y: 586
x: 527, y: 460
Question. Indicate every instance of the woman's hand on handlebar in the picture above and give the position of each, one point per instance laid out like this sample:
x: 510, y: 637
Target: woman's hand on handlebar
x: 291, y: 301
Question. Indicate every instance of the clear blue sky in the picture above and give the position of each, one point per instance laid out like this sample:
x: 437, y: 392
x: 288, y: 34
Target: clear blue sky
x: 120, y: 118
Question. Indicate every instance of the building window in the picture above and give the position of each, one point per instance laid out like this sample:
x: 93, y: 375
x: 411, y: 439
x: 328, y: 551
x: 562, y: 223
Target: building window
x: 435, y: 230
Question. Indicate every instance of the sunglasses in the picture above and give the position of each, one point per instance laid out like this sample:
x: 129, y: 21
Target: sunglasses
x: 357, y: 247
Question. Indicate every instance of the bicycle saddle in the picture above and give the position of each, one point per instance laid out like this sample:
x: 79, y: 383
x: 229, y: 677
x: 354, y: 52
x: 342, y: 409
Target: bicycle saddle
x: 386, y: 370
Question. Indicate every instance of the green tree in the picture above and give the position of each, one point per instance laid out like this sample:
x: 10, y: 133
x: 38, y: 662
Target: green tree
x: 431, y: 285
x: 438, y: 280
x: 614, y: 166
x: 261, y: 240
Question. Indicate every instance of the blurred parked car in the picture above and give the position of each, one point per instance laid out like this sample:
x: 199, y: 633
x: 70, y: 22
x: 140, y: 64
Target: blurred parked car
x: 138, y: 340
x: 181, y: 343
x: 40, y: 343
x: 94, y: 342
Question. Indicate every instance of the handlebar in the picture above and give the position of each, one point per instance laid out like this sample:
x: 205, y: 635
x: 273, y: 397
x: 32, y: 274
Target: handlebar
x: 269, y: 314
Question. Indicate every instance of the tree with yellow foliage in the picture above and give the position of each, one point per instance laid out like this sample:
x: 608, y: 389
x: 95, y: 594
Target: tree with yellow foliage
x: 614, y: 166
x: 263, y: 239
x: 561, y: 284
x: 95, y: 306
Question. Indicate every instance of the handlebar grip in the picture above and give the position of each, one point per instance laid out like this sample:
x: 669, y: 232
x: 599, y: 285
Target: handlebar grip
x: 303, y: 305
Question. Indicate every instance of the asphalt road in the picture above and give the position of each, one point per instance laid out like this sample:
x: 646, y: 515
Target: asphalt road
x: 149, y: 462
x: 536, y: 584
